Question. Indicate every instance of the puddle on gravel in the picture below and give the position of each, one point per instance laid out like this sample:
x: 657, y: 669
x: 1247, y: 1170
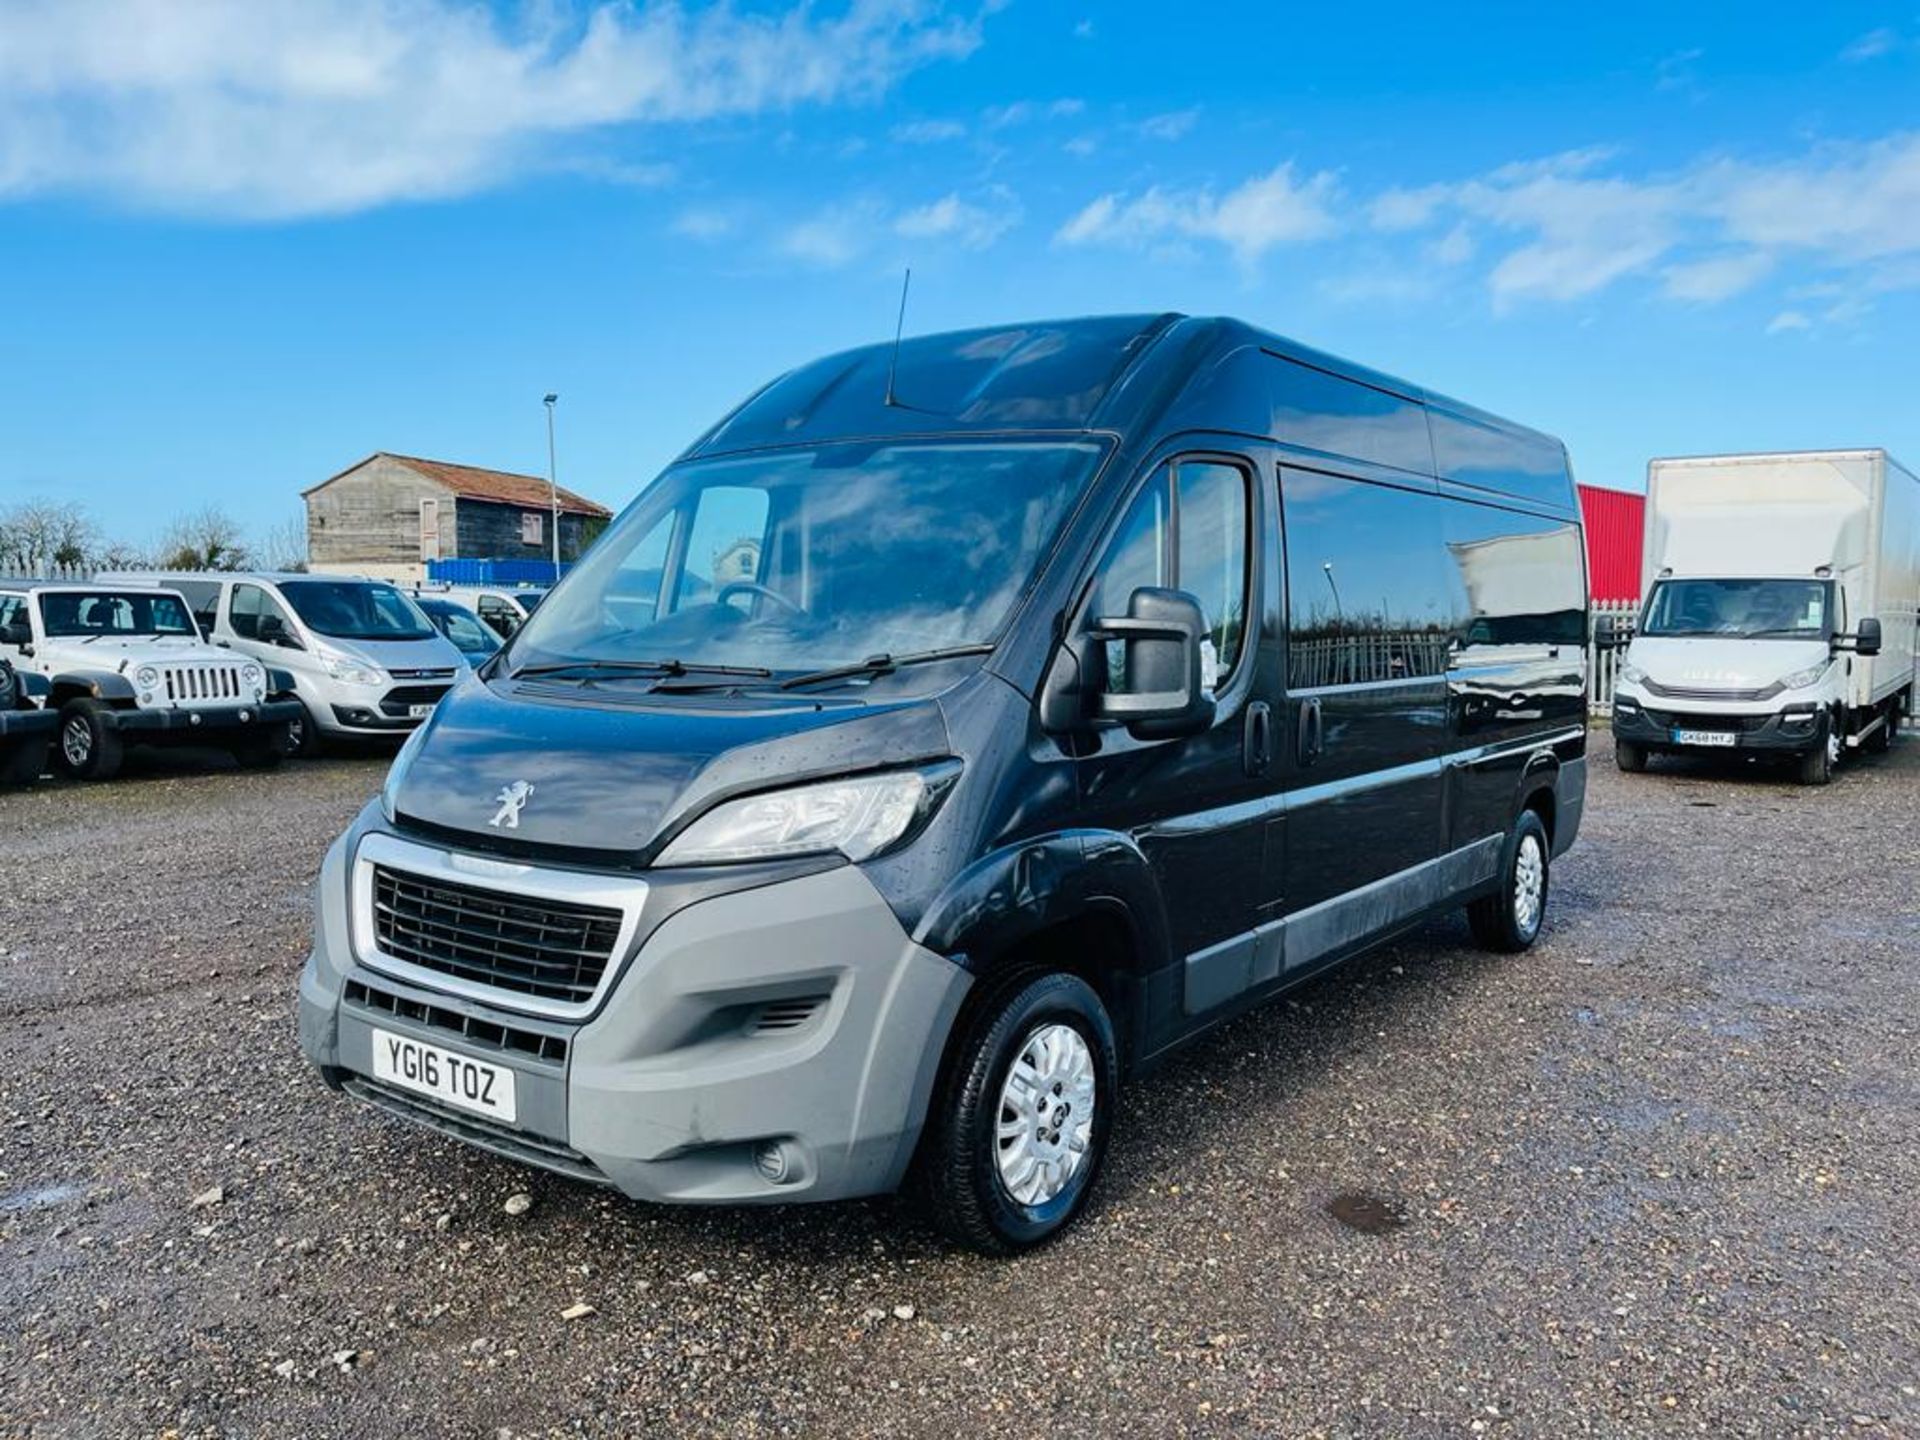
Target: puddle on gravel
x: 1369, y: 1214
x: 40, y: 1197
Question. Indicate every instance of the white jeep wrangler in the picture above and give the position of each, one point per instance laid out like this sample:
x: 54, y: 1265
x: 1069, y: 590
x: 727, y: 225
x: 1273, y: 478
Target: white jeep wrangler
x: 126, y: 665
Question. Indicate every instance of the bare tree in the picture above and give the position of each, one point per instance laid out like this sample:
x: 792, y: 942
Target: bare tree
x: 285, y: 545
x: 39, y: 535
x: 208, y: 539
x: 121, y: 555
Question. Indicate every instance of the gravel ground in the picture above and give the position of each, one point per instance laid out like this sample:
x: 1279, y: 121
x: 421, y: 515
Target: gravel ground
x: 1659, y: 1176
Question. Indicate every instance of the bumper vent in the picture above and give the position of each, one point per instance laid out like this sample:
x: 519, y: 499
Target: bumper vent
x: 509, y: 1039
x: 550, y: 949
x: 779, y: 1016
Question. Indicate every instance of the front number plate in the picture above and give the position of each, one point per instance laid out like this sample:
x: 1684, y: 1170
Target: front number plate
x: 419, y: 712
x: 449, y: 1078
x: 1704, y: 737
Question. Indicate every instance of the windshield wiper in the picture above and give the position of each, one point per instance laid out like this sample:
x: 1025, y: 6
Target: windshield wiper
x: 1783, y: 630
x: 883, y: 664
x: 641, y: 667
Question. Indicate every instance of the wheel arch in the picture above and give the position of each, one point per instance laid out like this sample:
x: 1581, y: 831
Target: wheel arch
x: 103, y: 685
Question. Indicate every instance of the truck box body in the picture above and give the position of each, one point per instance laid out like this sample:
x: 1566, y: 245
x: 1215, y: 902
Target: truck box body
x: 1856, y: 512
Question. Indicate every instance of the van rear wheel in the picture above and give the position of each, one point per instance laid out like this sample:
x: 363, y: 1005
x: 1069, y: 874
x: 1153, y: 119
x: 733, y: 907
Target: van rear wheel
x: 1018, y: 1127
x: 1510, y: 919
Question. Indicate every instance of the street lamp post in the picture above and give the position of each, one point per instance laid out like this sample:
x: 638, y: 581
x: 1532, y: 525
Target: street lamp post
x: 553, y: 485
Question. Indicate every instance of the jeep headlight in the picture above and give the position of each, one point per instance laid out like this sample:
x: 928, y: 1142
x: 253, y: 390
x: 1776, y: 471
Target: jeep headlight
x: 1800, y: 679
x: 860, y: 817
x: 1632, y: 673
x: 254, y: 677
x: 349, y: 671
x: 146, y: 677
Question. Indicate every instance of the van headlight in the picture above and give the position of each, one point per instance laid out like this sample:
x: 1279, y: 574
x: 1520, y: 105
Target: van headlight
x: 1632, y: 673
x: 861, y: 817
x: 350, y: 672
x: 1800, y: 679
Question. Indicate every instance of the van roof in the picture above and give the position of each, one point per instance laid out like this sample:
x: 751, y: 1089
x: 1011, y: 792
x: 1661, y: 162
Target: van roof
x: 1114, y: 373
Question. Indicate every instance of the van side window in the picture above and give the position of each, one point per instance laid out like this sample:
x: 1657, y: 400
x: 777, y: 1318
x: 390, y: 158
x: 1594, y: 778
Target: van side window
x: 1515, y: 580
x: 1366, y: 596
x: 249, y: 606
x: 1187, y: 531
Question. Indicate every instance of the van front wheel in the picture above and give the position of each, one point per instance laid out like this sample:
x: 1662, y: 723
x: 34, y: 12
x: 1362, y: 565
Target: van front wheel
x: 1630, y: 757
x: 1019, y: 1125
x: 1510, y: 919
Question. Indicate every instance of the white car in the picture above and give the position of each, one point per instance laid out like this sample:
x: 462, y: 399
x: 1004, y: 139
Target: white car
x: 126, y: 665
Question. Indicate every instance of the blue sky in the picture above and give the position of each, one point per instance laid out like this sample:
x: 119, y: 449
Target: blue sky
x: 245, y: 242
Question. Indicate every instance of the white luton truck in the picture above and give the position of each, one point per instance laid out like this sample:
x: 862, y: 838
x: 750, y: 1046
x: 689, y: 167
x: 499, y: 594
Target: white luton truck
x: 1782, y: 609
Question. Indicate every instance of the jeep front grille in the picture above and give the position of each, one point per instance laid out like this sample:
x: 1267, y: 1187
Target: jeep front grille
x: 549, y: 949
x: 200, y: 684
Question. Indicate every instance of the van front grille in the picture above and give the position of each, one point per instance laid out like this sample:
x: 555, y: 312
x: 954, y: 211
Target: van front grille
x: 551, y: 949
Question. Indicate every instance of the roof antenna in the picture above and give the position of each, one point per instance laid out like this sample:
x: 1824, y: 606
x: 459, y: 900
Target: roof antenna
x: 893, y: 360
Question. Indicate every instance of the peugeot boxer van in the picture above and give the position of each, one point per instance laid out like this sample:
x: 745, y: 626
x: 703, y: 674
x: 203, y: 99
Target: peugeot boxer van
x: 366, y: 663
x: 949, y: 734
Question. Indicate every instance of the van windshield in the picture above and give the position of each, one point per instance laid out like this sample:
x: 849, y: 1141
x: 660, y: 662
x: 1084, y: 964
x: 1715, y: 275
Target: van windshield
x: 355, y: 610
x: 1742, y: 609
x: 797, y: 560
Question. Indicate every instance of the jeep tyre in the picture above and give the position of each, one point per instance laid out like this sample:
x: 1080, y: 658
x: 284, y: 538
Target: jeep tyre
x: 1018, y: 1126
x: 1510, y: 919
x: 88, y: 748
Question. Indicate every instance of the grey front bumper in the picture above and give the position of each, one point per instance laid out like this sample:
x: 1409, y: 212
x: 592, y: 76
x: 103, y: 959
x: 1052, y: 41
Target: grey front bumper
x: 676, y: 1084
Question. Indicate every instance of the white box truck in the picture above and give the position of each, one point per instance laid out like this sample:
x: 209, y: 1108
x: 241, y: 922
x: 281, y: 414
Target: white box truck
x: 1782, y: 609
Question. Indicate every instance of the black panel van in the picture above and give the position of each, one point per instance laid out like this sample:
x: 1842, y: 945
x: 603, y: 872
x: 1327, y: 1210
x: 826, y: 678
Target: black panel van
x: 951, y: 732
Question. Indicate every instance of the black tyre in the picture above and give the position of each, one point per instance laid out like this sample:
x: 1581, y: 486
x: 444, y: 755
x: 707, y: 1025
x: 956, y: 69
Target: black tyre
x: 9, y: 687
x: 1629, y: 757
x: 263, y: 749
x: 303, y: 736
x: 1510, y: 919
x: 87, y: 748
x: 1018, y: 1126
x: 1817, y: 765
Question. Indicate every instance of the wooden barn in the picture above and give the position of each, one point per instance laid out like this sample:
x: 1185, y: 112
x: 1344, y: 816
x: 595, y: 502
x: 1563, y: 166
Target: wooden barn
x: 389, y: 515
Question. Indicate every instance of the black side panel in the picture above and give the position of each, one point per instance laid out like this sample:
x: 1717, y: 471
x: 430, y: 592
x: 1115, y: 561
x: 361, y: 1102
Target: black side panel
x: 1486, y: 454
x: 1518, y: 669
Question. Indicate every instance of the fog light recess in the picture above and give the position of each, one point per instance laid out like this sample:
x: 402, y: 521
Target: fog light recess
x: 776, y: 1162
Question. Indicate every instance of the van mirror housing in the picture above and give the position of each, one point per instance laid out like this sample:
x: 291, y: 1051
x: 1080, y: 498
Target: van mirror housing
x: 1866, y: 639
x: 1608, y: 632
x: 1164, y: 698
x: 272, y: 630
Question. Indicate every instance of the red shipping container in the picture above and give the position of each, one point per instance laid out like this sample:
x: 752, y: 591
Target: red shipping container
x: 1615, y: 520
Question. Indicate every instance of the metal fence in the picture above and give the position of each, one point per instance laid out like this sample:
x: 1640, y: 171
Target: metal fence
x: 1603, y: 662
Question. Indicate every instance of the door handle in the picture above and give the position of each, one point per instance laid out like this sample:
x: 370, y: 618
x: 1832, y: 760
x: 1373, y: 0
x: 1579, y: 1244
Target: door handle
x: 1258, y: 750
x: 1309, y: 736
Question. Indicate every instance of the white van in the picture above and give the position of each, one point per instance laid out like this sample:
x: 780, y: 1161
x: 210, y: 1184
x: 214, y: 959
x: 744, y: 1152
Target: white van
x: 366, y: 663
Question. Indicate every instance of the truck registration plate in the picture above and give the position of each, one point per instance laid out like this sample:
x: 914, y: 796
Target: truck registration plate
x: 444, y: 1076
x: 1724, y: 738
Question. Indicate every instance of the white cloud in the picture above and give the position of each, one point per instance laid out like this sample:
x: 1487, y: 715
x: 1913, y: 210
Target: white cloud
x: 1249, y: 220
x: 928, y: 132
x: 1872, y: 45
x: 832, y: 237
x: 1710, y: 231
x: 268, y: 108
x: 1788, y: 320
x: 974, y: 225
x: 703, y: 224
x: 1170, y: 126
x: 1717, y: 277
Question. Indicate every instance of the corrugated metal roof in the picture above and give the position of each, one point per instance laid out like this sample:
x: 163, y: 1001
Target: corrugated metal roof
x: 1615, y: 520
x: 502, y: 487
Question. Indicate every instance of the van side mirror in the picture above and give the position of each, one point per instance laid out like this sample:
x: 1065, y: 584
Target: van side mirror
x: 1161, y: 634
x: 1866, y: 639
x: 1608, y: 632
x: 272, y: 630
